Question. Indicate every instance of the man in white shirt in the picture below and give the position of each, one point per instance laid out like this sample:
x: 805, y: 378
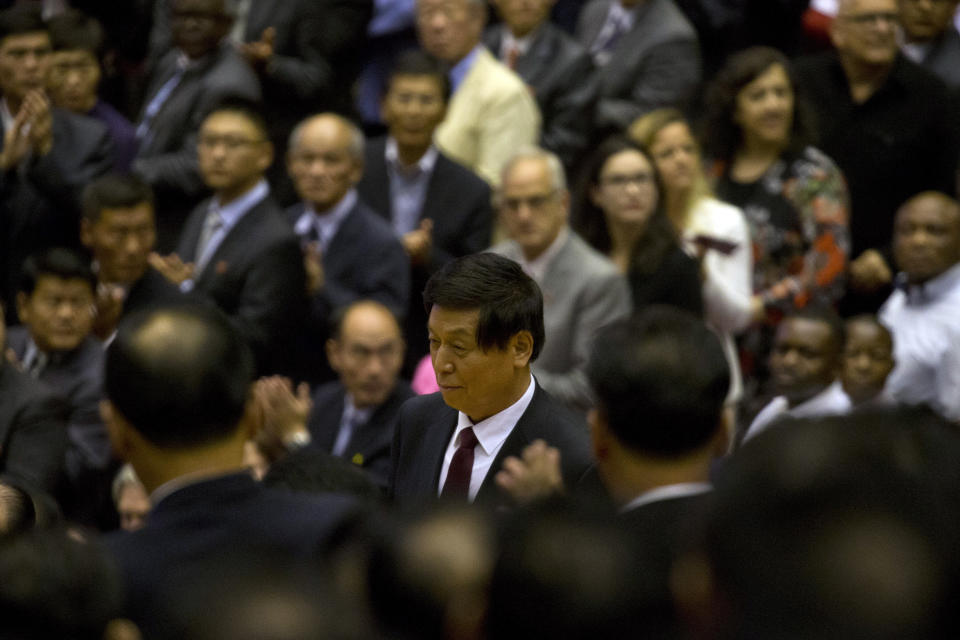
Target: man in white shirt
x: 804, y: 365
x: 582, y: 289
x: 486, y: 327
x: 922, y: 315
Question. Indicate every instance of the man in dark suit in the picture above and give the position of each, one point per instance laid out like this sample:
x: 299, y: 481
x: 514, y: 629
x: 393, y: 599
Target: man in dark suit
x: 486, y: 327
x: 55, y: 346
x: 355, y: 417
x: 647, y: 57
x: 198, y: 72
x: 179, y: 410
x: 556, y: 67
x: 303, y: 52
x: 33, y: 439
x: 236, y: 249
x: 440, y: 209
x: 119, y: 230
x: 47, y: 154
x: 350, y: 252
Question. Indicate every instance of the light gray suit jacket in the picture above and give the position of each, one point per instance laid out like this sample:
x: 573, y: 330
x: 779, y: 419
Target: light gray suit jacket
x: 655, y: 64
x: 582, y: 292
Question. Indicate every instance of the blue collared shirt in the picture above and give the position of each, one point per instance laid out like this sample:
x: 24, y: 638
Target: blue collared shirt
x: 462, y: 68
x: 408, y: 186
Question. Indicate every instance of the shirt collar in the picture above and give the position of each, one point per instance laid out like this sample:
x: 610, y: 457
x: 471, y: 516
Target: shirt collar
x: 180, y: 482
x: 232, y: 212
x: 462, y: 68
x: 830, y: 401
x: 493, y: 431
x: 667, y: 492
x: 358, y: 416
x: 424, y: 165
x: 537, y: 267
x: 935, y: 288
x: 522, y: 44
x: 329, y: 221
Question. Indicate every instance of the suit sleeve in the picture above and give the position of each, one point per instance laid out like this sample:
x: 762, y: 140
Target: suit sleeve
x: 271, y: 295
x: 307, y: 72
x: 668, y: 76
x: 603, y: 302
x: 386, y: 279
x: 32, y: 457
x: 474, y: 236
x: 511, y: 122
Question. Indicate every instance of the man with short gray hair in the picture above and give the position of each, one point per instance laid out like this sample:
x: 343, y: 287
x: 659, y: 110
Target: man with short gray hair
x: 350, y: 252
x: 582, y: 289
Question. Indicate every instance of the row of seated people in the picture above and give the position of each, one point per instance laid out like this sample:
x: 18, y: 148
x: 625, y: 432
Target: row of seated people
x: 872, y: 104
x: 640, y: 519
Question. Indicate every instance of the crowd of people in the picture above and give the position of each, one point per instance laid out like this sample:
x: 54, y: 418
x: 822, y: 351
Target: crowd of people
x: 456, y: 319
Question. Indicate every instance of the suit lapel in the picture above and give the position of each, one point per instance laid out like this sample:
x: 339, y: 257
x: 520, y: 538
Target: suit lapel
x: 512, y: 446
x: 435, y: 440
x: 187, y: 247
x: 328, y: 425
x: 236, y: 237
x: 531, y: 64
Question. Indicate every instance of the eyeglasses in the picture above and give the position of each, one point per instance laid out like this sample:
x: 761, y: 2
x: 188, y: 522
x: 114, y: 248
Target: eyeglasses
x: 620, y: 181
x: 533, y: 202
x: 231, y: 143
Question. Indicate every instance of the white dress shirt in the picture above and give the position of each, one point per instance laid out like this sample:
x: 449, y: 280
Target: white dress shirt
x: 925, y: 323
x: 832, y: 401
x: 667, y: 492
x: 491, y: 434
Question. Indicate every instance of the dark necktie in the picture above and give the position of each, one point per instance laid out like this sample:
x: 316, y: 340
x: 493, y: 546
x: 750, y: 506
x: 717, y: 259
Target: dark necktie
x: 457, y: 485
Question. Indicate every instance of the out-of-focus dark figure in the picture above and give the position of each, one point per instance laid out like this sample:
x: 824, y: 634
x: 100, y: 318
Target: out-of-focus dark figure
x: 930, y: 37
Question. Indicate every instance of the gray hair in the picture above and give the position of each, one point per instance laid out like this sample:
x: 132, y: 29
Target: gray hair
x: 357, y: 141
x: 558, y: 177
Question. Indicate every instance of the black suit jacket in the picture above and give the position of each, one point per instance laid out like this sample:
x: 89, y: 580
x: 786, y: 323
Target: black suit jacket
x: 230, y: 518
x: 561, y: 74
x: 33, y: 433
x: 458, y: 202
x: 364, y: 260
x: 256, y: 277
x: 369, y: 447
x: 151, y: 290
x: 427, y: 424
x: 40, y: 198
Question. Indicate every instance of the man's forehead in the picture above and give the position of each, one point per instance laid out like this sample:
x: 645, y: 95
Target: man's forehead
x: 933, y: 207
x: 846, y: 7
x: 32, y: 40
x: 54, y: 282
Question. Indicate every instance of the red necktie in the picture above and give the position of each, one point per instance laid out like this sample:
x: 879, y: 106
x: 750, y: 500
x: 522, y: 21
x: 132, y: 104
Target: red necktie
x: 461, y: 468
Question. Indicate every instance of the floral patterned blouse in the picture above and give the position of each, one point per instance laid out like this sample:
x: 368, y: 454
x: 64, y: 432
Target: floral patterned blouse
x: 798, y: 213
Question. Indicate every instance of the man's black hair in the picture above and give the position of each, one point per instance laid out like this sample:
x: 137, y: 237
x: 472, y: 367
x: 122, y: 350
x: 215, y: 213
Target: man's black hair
x: 817, y: 312
x: 661, y: 379
x: 421, y: 63
x: 509, y: 301
x: 180, y: 376
x: 73, y: 30
x: 61, y: 263
x: 21, y: 19
x: 249, y: 109
x: 114, y: 191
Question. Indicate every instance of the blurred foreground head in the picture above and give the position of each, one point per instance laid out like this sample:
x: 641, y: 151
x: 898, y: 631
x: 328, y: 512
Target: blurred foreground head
x: 842, y: 528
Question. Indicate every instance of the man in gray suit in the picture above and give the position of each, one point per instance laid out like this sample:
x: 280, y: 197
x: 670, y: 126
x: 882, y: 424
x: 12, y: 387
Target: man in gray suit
x: 647, y: 54
x: 930, y: 38
x: 199, y: 72
x: 557, y: 69
x: 582, y: 290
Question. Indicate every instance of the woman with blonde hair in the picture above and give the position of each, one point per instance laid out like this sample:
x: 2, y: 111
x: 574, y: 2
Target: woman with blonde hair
x: 712, y: 231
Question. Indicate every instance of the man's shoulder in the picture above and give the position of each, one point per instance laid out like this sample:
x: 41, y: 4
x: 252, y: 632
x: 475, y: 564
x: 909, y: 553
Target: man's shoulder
x: 492, y: 79
x: 327, y: 393
x: 450, y: 170
x: 426, y: 406
x: 375, y: 229
x: 590, y: 264
x: 17, y: 339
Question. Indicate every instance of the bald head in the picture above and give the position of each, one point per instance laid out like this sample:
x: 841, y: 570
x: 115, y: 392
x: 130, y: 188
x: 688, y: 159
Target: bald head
x: 926, y: 236
x: 325, y: 159
x: 366, y: 351
x: 179, y: 376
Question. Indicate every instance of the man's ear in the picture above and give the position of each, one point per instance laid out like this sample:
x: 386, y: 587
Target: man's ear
x: 117, y: 429
x: 333, y: 354
x: 521, y: 347
x: 599, y: 434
